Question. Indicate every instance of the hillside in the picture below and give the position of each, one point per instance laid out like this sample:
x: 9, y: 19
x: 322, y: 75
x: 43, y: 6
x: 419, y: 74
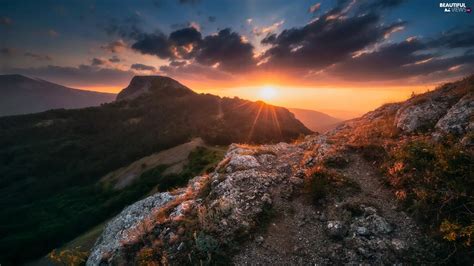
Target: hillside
x: 391, y: 187
x: 50, y: 162
x: 316, y: 121
x: 23, y: 95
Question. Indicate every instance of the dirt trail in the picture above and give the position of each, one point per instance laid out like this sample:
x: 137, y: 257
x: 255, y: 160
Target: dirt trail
x: 298, y: 234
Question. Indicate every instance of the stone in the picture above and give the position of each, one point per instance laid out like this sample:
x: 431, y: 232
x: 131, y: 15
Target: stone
x: 117, y: 230
x: 414, y: 116
x: 336, y: 229
x: 296, y: 181
x: 242, y: 162
x: 362, y: 231
x: 457, y: 119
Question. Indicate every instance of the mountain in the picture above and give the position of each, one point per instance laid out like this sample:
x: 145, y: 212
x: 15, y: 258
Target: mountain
x: 23, y: 95
x: 51, y: 162
x: 391, y: 187
x: 314, y: 120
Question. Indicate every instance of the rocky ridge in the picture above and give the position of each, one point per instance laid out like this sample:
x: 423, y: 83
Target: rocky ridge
x: 255, y: 205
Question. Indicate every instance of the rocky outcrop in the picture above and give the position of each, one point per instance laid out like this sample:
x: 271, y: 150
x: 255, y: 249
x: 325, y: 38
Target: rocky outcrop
x: 140, y: 85
x: 447, y: 109
x: 231, y: 203
x: 459, y: 118
x: 121, y: 228
x: 420, y: 116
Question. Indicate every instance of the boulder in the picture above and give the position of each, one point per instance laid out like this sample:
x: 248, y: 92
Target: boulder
x: 421, y: 115
x: 459, y: 116
x: 117, y: 230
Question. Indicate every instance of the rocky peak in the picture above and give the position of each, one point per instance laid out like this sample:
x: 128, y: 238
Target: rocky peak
x: 140, y: 85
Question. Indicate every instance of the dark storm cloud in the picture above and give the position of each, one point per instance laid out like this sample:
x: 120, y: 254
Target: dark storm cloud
x: 114, y: 59
x: 211, y: 19
x: 143, y: 67
x: 325, y: 41
x: 185, y: 36
x: 38, y: 57
x: 226, y: 49
x: 153, y: 44
x: 400, y: 60
x: 456, y: 38
x: 98, y: 61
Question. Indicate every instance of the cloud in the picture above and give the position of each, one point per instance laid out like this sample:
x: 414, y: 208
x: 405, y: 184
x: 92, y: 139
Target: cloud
x: 226, y: 50
x: 399, y: 60
x: 325, y: 40
x: 177, y: 63
x: 114, y: 59
x: 52, y: 33
x: 115, y: 46
x: 185, y: 36
x: 143, y: 67
x: 38, y: 57
x: 6, y: 21
x: 153, y: 44
x: 455, y: 38
x: 269, y: 29
x: 312, y: 9
x: 98, y: 61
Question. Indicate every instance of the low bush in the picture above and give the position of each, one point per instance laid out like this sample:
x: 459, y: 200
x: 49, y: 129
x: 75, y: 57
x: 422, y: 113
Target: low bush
x: 434, y: 181
x: 323, y: 183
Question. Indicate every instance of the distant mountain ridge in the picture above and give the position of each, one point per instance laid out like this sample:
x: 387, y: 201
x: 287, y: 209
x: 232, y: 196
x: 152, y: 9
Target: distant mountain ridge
x: 316, y: 121
x: 24, y: 95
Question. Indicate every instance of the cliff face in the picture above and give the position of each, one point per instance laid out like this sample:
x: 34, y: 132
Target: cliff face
x: 320, y: 200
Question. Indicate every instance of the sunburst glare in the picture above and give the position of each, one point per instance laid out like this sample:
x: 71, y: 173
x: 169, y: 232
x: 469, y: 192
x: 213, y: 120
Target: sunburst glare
x: 268, y: 93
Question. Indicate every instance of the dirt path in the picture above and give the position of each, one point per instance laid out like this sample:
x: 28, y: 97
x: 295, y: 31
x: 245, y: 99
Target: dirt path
x: 374, y: 231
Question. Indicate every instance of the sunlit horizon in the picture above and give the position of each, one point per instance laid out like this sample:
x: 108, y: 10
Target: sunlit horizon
x: 343, y: 103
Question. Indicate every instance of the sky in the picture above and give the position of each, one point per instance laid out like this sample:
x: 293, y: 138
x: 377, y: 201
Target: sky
x: 344, y: 57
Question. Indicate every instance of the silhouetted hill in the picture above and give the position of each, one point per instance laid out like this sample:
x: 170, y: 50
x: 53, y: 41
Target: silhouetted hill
x: 50, y: 161
x: 23, y: 95
x: 316, y: 121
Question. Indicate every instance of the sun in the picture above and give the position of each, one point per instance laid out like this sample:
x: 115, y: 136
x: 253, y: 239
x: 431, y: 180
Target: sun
x: 268, y: 93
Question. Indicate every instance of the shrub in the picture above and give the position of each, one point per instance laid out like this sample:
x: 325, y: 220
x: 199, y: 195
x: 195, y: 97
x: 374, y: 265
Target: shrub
x: 323, y: 183
x: 434, y: 181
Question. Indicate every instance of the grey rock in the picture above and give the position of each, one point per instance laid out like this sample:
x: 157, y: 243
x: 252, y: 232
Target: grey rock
x: 117, y: 230
x: 413, y: 116
x: 336, y: 229
x: 242, y: 162
x: 362, y: 231
x: 456, y: 121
